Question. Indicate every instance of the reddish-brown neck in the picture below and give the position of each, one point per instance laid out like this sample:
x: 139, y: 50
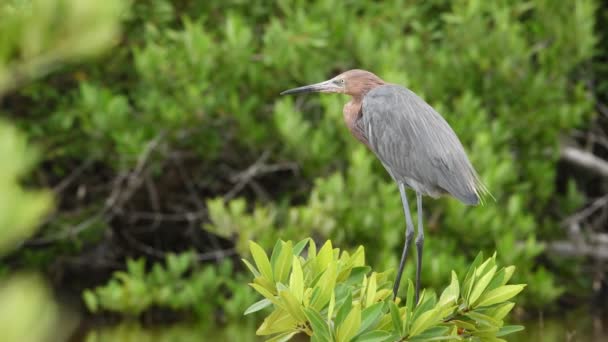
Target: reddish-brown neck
x: 357, y: 84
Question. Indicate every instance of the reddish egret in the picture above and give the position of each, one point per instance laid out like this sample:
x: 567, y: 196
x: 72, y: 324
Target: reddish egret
x: 415, y: 144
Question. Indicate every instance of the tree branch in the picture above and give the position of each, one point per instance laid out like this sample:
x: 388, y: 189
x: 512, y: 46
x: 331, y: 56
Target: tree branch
x: 585, y: 159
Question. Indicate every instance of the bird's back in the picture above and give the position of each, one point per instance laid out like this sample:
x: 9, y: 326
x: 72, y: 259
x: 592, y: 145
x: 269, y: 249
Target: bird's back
x: 416, y: 145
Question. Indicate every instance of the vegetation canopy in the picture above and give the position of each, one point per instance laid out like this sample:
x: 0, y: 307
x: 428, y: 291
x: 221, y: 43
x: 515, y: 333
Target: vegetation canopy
x: 332, y: 295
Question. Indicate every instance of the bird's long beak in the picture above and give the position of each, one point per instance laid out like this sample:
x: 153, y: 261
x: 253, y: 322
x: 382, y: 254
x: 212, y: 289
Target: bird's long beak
x: 323, y: 87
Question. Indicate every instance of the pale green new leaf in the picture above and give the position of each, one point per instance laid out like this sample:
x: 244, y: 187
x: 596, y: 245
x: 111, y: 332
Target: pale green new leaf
x: 425, y: 321
x: 284, y: 337
x: 257, y: 306
x: 284, y: 262
x: 296, y: 281
x: 348, y: 329
x: 481, y: 285
x: 267, y: 294
x: 501, y: 311
x: 277, y: 322
x: 293, y: 306
x: 371, y: 290
x: 261, y: 260
x: 500, y: 294
x: 251, y: 268
x: 451, y: 293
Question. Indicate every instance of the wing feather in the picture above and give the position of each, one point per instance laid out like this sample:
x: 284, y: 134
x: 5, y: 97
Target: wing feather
x: 416, y: 145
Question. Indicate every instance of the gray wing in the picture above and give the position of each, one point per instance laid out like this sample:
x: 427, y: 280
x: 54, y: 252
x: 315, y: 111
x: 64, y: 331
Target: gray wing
x: 416, y: 145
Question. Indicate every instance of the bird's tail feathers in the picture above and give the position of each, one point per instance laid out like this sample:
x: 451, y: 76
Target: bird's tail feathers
x: 481, y: 190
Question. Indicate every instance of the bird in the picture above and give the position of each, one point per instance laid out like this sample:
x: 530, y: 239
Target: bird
x: 414, y: 143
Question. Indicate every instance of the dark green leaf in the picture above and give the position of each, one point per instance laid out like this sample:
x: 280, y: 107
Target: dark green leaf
x: 319, y: 326
x: 370, y: 316
x: 344, y: 308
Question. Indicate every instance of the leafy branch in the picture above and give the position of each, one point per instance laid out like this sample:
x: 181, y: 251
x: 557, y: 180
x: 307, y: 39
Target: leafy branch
x: 333, y: 296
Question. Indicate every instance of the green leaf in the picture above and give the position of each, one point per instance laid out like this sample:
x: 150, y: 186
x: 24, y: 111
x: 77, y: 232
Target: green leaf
x: 427, y: 302
x: 277, y: 322
x: 319, y: 326
x: 357, y: 274
x: 500, y: 294
x: 264, y: 292
x: 312, y: 249
x: 261, y: 260
x: 264, y: 282
x: 438, y: 333
x: 326, y: 284
x: 276, y: 251
x: 296, y: 281
x: 90, y: 300
x: 425, y: 321
x: 396, y: 318
x: 476, y: 262
x: 299, y: 247
x: 293, y: 306
x: 284, y: 262
x: 481, y: 285
x: 465, y: 325
x: 373, y: 336
x: 371, y: 290
x: 284, y: 337
x: 469, y: 278
x: 509, y: 270
x: 332, y: 305
x: 483, y: 319
x: 324, y: 257
x: 370, y: 316
x: 410, y: 305
x: 451, y: 293
x: 257, y: 306
x: 348, y: 329
x: 501, y: 311
x: 501, y: 278
x: 509, y: 329
x: 344, y: 308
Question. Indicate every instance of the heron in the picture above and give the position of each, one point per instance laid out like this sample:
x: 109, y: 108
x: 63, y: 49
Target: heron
x: 414, y: 143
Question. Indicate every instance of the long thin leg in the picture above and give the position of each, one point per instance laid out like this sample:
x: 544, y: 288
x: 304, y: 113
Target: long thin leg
x: 409, y: 234
x: 419, y: 243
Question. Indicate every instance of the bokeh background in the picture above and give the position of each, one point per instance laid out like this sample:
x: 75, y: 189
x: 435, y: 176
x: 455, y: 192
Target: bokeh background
x: 144, y: 143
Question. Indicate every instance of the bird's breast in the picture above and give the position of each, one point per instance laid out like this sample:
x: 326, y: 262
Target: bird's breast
x: 352, y: 116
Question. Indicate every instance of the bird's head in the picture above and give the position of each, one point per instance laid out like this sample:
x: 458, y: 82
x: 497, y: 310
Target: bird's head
x: 354, y: 82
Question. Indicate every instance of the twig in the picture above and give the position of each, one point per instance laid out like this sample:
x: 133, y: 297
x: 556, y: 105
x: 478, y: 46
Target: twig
x: 583, y: 214
x: 599, y: 251
x: 69, y: 179
x: 113, y: 204
x: 586, y: 160
x: 256, y: 169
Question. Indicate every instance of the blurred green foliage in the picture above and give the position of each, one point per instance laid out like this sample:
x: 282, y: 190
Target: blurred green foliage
x: 205, y: 76
x: 331, y: 295
x: 36, y: 36
x: 20, y: 209
x: 179, y: 285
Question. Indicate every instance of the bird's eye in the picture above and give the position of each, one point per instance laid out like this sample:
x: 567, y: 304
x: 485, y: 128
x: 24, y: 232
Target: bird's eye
x: 339, y: 81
